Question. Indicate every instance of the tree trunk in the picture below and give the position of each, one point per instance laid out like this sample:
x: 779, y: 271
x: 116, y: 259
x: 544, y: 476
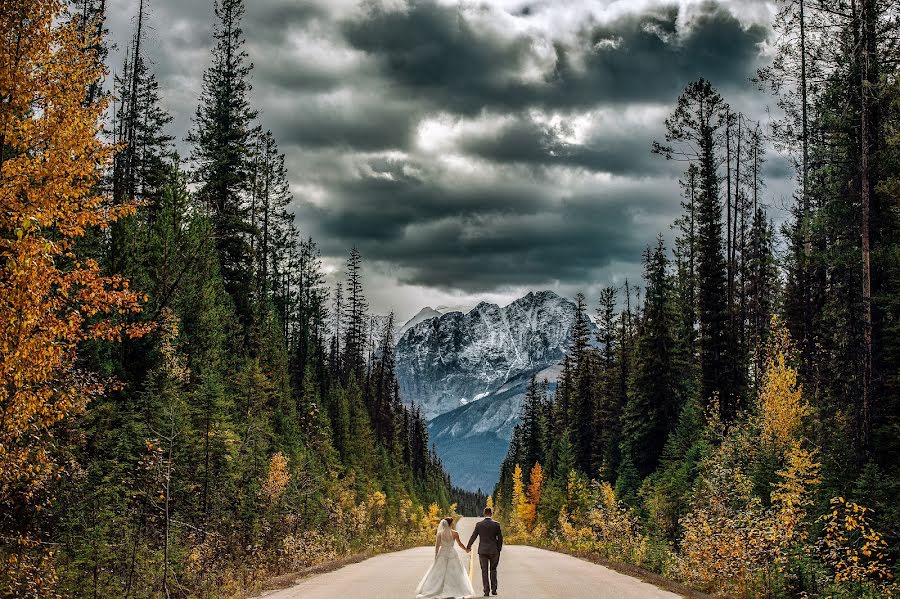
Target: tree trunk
x: 728, y: 239
x: 866, y: 198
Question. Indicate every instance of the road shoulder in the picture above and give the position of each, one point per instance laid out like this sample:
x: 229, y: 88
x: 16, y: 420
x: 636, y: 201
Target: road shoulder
x: 633, y: 571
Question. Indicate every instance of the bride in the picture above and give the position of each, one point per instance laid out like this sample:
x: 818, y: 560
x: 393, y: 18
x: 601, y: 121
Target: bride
x: 446, y: 577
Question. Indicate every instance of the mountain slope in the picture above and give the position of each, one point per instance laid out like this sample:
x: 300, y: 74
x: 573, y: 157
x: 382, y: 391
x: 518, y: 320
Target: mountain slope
x: 423, y: 315
x: 457, y: 358
x: 472, y: 439
x: 469, y: 371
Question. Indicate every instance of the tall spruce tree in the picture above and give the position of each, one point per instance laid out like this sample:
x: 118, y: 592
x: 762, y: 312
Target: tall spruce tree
x: 142, y: 168
x: 653, y: 398
x: 694, y: 131
x: 582, y: 388
x: 383, y: 384
x: 608, y: 407
x: 220, y: 141
x: 354, y: 318
x: 532, y: 425
x: 762, y: 289
x: 270, y: 220
x: 686, y: 260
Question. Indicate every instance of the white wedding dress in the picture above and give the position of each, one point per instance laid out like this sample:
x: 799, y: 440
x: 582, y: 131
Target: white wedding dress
x: 446, y: 577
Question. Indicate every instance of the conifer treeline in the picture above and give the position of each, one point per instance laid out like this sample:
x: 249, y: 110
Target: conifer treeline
x: 254, y: 430
x: 678, y: 387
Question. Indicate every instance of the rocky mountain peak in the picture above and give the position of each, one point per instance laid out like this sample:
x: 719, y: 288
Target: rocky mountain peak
x: 468, y: 372
x: 452, y: 359
x: 422, y: 315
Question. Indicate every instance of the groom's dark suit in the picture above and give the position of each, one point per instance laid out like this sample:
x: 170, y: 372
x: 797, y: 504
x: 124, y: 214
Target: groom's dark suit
x: 489, y: 547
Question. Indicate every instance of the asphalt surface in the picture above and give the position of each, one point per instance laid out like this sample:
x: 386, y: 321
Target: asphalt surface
x: 524, y: 573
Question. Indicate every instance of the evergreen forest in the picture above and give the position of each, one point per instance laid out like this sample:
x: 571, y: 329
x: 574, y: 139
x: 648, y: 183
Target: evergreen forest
x: 187, y: 409
x: 733, y: 424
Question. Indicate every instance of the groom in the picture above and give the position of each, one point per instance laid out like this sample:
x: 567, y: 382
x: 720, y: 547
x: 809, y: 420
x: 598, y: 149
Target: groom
x: 488, y: 550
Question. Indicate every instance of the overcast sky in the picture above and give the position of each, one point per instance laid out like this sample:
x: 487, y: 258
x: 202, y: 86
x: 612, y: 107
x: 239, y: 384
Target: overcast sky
x: 477, y: 149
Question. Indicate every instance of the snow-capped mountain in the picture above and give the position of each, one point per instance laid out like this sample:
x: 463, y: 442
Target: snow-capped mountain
x: 472, y: 439
x: 457, y: 308
x: 423, y: 315
x: 455, y: 358
x: 468, y: 372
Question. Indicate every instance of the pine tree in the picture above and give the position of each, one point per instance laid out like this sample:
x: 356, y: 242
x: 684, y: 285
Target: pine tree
x: 335, y: 356
x: 221, y: 149
x: 582, y: 387
x: 383, y: 382
x: 581, y: 332
x: 361, y: 441
x: 142, y: 168
x: 90, y: 20
x: 609, y: 404
x: 339, y: 408
x: 886, y: 416
x: 531, y: 423
x: 762, y: 288
x: 563, y: 398
x: 354, y: 318
x: 585, y: 407
x: 695, y: 127
x: 209, y: 323
x: 511, y: 461
x: 565, y: 458
x: 686, y: 260
x: 308, y: 332
x: 271, y: 222
x: 653, y: 402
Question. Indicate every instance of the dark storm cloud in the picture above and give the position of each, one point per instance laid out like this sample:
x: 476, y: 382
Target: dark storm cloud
x: 388, y: 201
x: 474, y: 254
x: 270, y: 20
x: 462, y: 147
x: 433, y: 50
x: 645, y: 57
x: 437, y: 51
x: 281, y: 73
x: 344, y: 121
x: 475, y: 237
x: 625, y: 152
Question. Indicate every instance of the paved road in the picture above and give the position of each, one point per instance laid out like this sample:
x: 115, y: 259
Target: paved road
x: 524, y: 573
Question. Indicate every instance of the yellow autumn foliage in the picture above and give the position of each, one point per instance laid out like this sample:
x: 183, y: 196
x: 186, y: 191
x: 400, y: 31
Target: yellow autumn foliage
x: 51, y: 297
x: 377, y: 507
x: 781, y: 404
x: 724, y: 541
x: 731, y: 542
x: 277, y: 478
x: 851, y: 547
x: 574, y: 534
x: 517, y: 521
x: 433, y: 518
x: 617, y: 532
x: 791, y: 497
x: 528, y: 515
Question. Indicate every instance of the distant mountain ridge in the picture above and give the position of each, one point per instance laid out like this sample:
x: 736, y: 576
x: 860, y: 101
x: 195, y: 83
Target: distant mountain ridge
x: 423, y: 315
x: 472, y: 439
x: 468, y: 372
